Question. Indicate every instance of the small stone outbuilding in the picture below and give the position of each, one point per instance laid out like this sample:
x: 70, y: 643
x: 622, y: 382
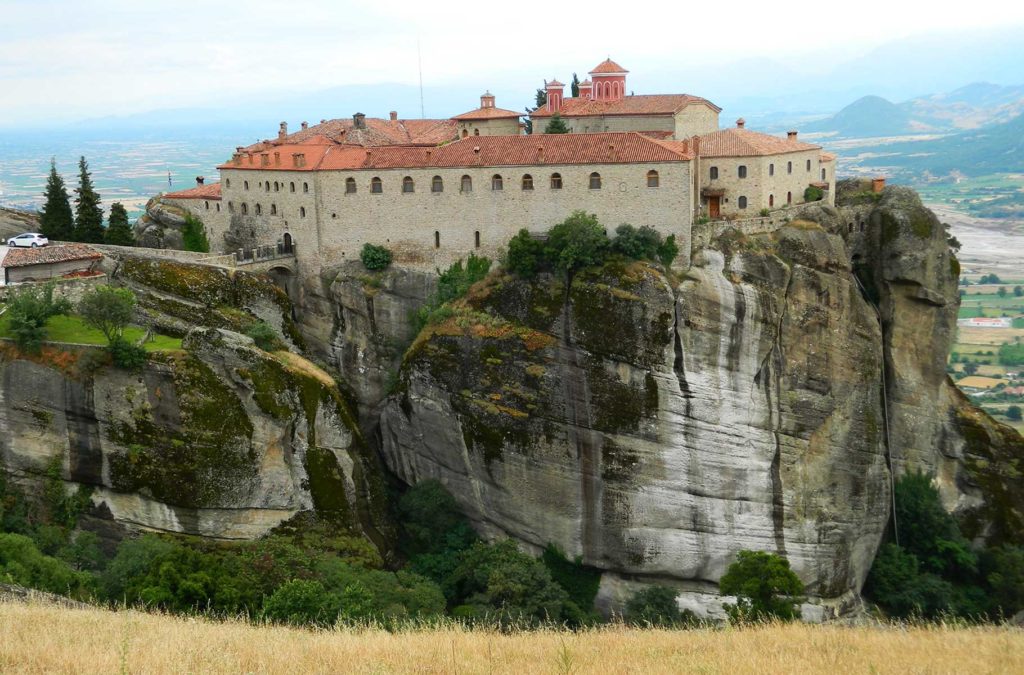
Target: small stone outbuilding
x: 48, y: 262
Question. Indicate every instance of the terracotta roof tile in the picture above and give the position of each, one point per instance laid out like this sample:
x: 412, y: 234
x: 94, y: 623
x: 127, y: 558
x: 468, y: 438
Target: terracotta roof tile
x: 653, y: 104
x: 746, y: 143
x: 537, y: 149
x: 490, y: 113
x: 607, y: 66
x: 208, y: 191
x: 827, y: 157
x: 45, y: 255
x: 376, y: 132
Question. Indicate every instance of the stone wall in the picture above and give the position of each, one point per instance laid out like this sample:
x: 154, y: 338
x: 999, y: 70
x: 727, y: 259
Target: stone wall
x: 213, y: 213
x: 427, y: 229
x: 508, y: 126
x: 694, y: 120
x: 763, y: 187
x: 71, y: 289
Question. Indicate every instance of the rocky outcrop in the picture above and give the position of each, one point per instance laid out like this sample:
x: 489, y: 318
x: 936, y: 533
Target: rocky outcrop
x: 161, y: 226
x: 655, y: 428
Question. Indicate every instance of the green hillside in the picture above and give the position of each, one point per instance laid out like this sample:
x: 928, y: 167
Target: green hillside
x: 865, y: 117
x: 997, y: 148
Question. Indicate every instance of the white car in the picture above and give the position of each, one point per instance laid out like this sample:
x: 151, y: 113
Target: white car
x: 33, y: 239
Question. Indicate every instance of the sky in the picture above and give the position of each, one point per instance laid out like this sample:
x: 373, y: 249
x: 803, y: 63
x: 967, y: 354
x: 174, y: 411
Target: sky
x: 63, y: 60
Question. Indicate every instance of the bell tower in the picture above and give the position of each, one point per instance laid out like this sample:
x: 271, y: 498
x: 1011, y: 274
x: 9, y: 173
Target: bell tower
x: 609, y: 81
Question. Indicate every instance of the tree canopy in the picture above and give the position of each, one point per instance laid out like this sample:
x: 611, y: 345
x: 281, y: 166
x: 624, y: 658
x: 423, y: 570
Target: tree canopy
x: 56, y: 220
x: 88, y: 214
x: 119, y: 230
x: 556, y: 126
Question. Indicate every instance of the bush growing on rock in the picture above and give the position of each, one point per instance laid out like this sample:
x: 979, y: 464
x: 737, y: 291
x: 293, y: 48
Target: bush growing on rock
x: 193, y: 235
x: 813, y: 194
x: 28, y: 309
x: 264, y: 336
x: 765, y: 588
x: 655, y: 606
x: 375, y: 258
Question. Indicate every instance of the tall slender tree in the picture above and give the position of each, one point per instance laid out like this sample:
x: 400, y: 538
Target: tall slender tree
x: 541, y: 99
x: 88, y: 214
x: 575, y: 86
x: 56, y: 220
x: 118, y: 230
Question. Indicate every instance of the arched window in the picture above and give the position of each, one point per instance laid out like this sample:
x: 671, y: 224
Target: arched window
x: 273, y: 209
x: 231, y: 207
x: 207, y: 204
x: 823, y: 174
x: 497, y: 183
x: 595, y: 181
x: 476, y: 132
x: 808, y: 166
x: 408, y: 185
x: 465, y: 132
x: 302, y: 212
x: 743, y: 202
x: 245, y: 209
x: 376, y: 186
x: 467, y: 184
x: 259, y: 209
x: 556, y: 181
x: 291, y: 186
x: 437, y: 239
x: 437, y: 184
x: 741, y: 171
x: 476, y: 238
x: 714, y: 173
x: 789, y: 167
x: 267, y: 186
x: 245, y: 184
x: 277, y: 186
x: 771, y: 200
x: 227, y: 182
x: 527, y: 181
x: 305, y: 187
x: 789, y: 197
x: 771, y: 169
x: 218, y: 207
x: 652, y: 178
x: 350, y: 186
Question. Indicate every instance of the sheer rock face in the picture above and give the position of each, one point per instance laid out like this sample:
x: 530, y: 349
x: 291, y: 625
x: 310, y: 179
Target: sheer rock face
x: 656, y: 429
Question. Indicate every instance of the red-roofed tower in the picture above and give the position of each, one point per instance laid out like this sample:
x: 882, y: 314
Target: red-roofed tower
x: 554, y: 90
x: 609, y: 81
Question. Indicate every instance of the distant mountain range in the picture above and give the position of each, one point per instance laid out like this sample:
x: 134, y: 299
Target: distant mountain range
x: 970, y: 107
x: 996, y: 148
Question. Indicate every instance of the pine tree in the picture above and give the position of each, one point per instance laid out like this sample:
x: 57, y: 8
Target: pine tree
x: 56, y: 221
x: 556, y: 125
x: 541, y: 100
x: 575, y: 86
x: 88, y: 214
x: 119, y: 232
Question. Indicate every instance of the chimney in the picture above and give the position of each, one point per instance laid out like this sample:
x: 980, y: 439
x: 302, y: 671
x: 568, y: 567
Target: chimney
x: 322, y: 121
x: 393, y: 115
x: 740, y: 123
x: 791, y: 135
x: 487, y: 100
x: 277, y: 158
x: 283, y: 131
x: 878, y: 184
x: 359, y: 121
x: 200, y: 180
x: 305, y: 125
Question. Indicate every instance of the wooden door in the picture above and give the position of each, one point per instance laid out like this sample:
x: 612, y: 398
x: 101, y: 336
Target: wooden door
x: 713, y: 207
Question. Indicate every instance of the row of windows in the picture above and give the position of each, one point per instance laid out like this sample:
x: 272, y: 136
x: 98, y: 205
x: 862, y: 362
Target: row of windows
x: 741, y: 170
x: 207, y: 205
x: 258, y: 209
x: 742, y: 201
x: 266, y: 186
x: 497, y: 183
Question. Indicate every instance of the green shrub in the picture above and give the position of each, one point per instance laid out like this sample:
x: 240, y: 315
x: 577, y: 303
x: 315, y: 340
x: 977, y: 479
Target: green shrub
x: 301, y: 602
x: 813, y: 194
x: 576, y: 579
x: 931, y: 534
x: 655, y: 606
x: 28, y: 308
x: 638, y: 244
x: 375, y: 257
x: 264, y: 336
x: 452, y: 283
x: 108, y: 310
x: 193, y: 235
x: 578, y: 241
x: 766, y: 212
x: 765, y: 587
x: 127, y: 355
x: 525, y: 256
x: 22, y: 563
x: 668, y: 251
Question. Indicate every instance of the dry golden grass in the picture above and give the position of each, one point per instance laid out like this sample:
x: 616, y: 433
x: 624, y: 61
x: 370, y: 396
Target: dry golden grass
x: 41, y: 638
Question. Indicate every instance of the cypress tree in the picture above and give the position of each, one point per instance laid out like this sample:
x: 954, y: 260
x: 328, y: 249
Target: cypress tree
x: 575, y: 86
x: 56, y: 221
x: 118, y: 230
x: 88, y: 214
x: 556, y: 126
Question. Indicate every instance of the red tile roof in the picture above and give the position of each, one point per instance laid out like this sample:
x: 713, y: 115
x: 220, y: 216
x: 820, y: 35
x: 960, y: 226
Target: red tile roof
x: 513, y: 150
x: 654, y: 104
x: 608, y: 67
x: 746, y: 143
x: 46, y: 255
x: 555, y: 83
x: 209, y: 191
x: 376, y: 132
x: 490, y: 113
x: 827, y: 157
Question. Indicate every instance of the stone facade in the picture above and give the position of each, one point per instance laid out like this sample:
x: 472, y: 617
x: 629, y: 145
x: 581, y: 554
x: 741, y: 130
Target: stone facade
x: 433, y: 229
x: 771, y: 181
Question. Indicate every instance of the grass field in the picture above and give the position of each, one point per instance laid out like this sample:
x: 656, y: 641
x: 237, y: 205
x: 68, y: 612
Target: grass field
x: 44, y: 638
x: 72, y: 329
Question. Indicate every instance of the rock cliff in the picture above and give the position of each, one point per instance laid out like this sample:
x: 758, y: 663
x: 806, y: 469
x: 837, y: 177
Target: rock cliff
x: 655, y: 425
